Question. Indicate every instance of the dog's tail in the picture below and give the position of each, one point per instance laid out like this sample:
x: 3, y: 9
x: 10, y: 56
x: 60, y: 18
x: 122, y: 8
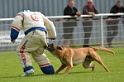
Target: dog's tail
x: 103, y: 49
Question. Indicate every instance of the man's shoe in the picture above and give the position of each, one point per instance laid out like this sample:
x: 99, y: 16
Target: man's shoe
x: 86, y: 46
x: 29, y: 72
x: 110, y: 46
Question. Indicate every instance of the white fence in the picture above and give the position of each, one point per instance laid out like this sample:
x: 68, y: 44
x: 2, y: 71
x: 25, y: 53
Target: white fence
x: 98, y: 34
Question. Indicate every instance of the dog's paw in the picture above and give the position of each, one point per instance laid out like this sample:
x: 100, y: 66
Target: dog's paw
x: 93, y: 67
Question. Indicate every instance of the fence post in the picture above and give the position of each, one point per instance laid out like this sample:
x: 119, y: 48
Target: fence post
x: 102, y: 32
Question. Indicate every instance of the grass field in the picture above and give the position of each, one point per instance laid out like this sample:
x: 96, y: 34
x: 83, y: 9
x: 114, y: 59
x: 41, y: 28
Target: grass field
x: 11, y: 71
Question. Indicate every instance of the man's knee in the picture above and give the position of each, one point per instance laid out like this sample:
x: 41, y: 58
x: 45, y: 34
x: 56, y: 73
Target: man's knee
x: 48, y: 69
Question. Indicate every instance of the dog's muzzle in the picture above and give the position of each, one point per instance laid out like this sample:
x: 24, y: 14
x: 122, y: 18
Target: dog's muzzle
x: 50, y: 47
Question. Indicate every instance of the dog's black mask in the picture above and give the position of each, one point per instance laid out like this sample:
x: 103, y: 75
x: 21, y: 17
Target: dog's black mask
x: 50, y: 47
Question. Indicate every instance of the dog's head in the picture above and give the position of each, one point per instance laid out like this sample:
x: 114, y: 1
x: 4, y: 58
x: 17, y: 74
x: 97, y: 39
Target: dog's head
x: 52, y: 47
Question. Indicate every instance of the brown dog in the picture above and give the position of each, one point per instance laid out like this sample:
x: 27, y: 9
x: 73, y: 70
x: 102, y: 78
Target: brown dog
x: 72, y: 56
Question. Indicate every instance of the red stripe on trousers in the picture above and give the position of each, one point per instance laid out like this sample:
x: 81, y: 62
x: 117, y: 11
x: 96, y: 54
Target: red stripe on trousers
x: 44, y: 65
x: 22, y: 52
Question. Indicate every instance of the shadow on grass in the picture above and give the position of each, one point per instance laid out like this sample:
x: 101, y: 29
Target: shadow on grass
x: 80, y: 72
x: 74, y: 73
x: 9, y: 76
x: 19, y: 76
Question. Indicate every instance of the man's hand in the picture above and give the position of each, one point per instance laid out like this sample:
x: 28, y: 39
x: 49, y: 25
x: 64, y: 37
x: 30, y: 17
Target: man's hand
x: 92, y: 13
x: 78, y: 13
x: 13, y: 41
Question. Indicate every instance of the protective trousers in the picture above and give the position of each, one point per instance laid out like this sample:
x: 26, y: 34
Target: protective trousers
x: 33, y: 43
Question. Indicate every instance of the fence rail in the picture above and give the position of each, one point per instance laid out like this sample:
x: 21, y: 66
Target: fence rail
x: 98, y: 34
x: 59, y: 17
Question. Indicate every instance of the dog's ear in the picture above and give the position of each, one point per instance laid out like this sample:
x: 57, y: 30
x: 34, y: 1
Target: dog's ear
x: 58, y: 47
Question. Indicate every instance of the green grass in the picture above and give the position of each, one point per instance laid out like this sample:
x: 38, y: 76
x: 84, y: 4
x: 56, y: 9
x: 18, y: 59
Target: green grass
x: 11, y: 71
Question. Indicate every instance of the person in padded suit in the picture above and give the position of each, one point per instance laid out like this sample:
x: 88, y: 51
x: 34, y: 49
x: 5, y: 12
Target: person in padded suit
x: 36, y: 27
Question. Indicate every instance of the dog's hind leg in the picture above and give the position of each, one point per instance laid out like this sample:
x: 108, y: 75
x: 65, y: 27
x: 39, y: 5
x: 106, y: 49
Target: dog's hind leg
x: 97, y: 58
x: 60, y: 68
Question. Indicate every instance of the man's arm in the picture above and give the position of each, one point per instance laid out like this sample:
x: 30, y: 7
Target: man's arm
x: 85, y: 11
x: 77, y: 12
x: 113, y: 10
x: 68, y: 12
x: 16, y: 25
x: 50, y: 27
x: 95, y: 10
x: 123, y: 9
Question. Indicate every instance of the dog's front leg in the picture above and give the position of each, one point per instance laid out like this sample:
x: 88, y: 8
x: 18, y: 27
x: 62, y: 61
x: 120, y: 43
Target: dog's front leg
x: 60, y: 68
x: 68, y: 69
x: 69, y: 66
